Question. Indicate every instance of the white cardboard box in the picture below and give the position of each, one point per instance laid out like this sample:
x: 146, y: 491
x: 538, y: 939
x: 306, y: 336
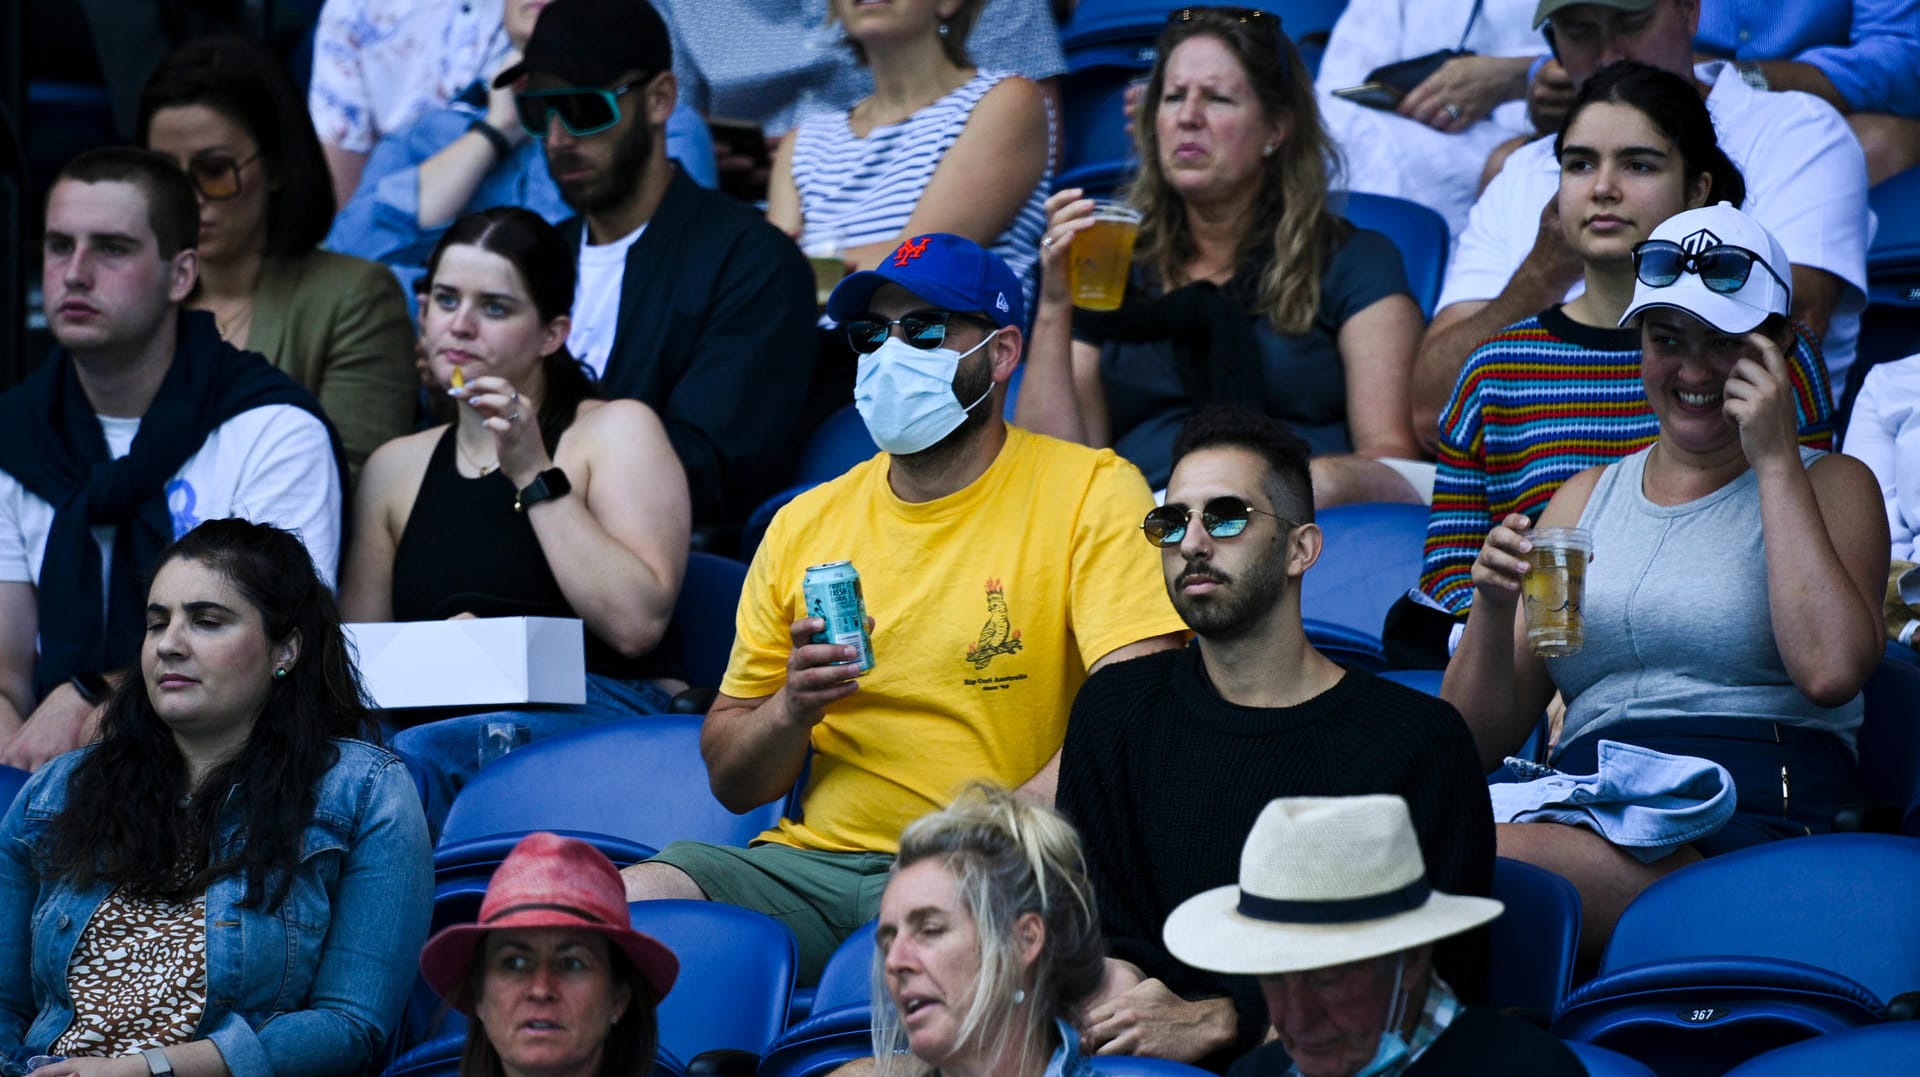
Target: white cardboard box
x: 474, y: 661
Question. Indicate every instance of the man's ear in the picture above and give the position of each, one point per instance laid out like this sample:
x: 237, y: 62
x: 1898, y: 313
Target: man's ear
x: 662, y: 94
x: 1005, y: 347
x: 1303, y: 548
x: 183, y: 273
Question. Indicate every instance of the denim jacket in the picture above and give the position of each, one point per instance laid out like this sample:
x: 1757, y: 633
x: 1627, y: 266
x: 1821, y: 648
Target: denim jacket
x: 312, y: 988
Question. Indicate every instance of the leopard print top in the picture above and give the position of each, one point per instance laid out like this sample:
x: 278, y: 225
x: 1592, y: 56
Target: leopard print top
x: 138, y: 976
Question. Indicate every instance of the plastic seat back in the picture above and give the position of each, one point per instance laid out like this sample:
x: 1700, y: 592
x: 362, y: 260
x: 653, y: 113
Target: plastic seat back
x: 1419, y: 232
x: 1890, y: 1048
x: 840, y: 442
x: 736, y: 975
x: 704, y: 614
x: 1136, y: 1066
x: 640, y: 782
x: 1601, y: 1062
x: 12, y: 779
x: 1893, y: 261
x: 1371, y: 557
x: 1889, y: 740
x: 1534, y: 940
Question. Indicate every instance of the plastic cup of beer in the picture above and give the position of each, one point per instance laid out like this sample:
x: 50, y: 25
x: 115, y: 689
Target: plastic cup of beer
x: 1101, y: 256
x: 1554, y: 587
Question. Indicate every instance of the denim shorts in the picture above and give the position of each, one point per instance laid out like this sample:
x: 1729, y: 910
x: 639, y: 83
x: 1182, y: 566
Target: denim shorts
x: 1788, y: 780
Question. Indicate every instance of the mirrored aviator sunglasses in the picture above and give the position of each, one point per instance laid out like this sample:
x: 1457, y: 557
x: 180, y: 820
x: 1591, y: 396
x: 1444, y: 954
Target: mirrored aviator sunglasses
x: 1222, y: 517
x: 1658, y: 263
x: 582, y: 110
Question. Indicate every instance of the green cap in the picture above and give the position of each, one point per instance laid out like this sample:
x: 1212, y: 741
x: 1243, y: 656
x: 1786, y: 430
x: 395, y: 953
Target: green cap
x: 1548, y: 7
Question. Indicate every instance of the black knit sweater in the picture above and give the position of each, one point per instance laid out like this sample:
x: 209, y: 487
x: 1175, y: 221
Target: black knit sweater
x: 1165, y: 779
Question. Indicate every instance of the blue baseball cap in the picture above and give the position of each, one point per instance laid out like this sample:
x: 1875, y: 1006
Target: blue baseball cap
x: 948, y: 271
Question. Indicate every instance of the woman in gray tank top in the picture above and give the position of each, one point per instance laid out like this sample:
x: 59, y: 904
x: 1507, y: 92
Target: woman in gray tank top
x: 1732, y: 602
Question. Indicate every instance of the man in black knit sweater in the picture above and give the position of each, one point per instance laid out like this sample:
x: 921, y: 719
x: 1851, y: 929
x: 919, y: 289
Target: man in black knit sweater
x: 1170, y: 758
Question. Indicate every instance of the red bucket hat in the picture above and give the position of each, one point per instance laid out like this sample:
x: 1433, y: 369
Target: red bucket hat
x: 547, y: 881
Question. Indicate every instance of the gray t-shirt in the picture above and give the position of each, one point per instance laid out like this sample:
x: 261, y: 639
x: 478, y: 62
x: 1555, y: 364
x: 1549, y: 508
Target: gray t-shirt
x: 1676, y: 613
x: 777, y: 62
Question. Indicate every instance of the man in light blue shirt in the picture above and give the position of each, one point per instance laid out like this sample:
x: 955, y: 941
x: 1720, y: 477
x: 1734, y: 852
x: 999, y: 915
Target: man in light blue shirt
x: 1862, y: 58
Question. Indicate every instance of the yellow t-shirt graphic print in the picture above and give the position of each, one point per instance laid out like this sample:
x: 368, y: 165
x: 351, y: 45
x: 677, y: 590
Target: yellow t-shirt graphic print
x: 988, y: 607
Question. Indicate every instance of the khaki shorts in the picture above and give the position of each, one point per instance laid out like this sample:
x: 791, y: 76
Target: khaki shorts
x: 821, y: 897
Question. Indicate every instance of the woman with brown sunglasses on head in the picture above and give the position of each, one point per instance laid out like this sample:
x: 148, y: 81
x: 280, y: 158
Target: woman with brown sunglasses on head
x: 226, y: 113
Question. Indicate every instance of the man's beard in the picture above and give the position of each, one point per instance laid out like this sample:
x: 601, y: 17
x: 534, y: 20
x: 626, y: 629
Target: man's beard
x: 622, y: 175
x: 1241, y: 602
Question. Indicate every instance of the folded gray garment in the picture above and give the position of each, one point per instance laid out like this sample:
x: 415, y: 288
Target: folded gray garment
x: 1646, y: 802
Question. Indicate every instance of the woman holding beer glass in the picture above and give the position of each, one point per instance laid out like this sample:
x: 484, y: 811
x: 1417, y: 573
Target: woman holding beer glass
x: 988, y: 943
x: 1731, y: 608
x: 1637, y: 148
x: 537, y: 501
x: 1243, y: 286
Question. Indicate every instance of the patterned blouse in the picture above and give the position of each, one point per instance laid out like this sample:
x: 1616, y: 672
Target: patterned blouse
x: 138, y: 976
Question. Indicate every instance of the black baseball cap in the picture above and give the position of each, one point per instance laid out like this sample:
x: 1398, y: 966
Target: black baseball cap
x: 593, y: 42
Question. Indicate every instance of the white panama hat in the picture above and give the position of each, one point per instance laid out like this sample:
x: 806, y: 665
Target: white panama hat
x: 1323, y: 881
x: 1767, y: 290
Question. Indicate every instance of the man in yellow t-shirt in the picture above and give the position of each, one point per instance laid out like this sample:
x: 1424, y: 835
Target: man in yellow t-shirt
x: 1000, y: 568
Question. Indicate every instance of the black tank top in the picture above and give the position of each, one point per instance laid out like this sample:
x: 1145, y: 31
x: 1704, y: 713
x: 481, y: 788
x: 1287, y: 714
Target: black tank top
x: 464, y: 550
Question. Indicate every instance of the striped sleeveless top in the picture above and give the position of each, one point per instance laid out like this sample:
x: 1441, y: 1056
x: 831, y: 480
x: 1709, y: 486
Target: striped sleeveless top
x: 855, y: 191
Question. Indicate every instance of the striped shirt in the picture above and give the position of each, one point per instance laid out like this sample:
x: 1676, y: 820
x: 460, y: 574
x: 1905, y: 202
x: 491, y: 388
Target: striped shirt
x: 855, y: 191
x: 1539, y: 402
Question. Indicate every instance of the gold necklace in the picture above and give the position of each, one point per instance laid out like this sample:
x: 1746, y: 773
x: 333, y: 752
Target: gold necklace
x: 471, y: 462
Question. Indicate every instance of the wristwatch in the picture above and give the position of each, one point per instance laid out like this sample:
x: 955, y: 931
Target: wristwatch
x: 1751, y: 74
x: 91, y: 687
x: 157, y: 1063
x: 545, y: 486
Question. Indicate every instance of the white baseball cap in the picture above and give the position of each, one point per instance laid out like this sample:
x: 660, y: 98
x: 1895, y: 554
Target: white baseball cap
x: 1767, y: 289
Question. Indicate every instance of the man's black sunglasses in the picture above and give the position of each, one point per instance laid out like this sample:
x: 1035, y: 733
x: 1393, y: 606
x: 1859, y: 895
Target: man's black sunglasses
x: 923, y: 329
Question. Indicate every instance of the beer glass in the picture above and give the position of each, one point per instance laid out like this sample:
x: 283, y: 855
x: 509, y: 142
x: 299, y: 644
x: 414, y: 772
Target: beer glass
x: 1101, y: 256
x: 1553, y: 588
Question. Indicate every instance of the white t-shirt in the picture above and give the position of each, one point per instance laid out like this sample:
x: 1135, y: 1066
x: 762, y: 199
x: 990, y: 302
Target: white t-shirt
x: 1885, y: 433
x: 596, y: 299
x: 272, y: 464
x: 1806, y: 182
x: 1386, y: 153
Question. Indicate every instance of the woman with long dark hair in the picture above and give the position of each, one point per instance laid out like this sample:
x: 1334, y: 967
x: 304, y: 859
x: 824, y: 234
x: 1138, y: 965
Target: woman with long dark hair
x: 229, y: 881
x: 537, y: 500
x: 1247, y: 287
x: 226, y: 113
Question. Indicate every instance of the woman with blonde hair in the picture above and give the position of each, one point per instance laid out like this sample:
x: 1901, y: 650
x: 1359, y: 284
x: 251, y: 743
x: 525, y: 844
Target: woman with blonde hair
x: 1245, y: 286
x: 988, y: 943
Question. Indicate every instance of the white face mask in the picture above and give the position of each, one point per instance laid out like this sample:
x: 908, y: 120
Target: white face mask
x: 905, y: 394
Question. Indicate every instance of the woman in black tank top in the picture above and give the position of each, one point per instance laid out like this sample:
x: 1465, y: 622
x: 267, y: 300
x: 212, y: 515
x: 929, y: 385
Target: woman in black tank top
x: 537, y: 500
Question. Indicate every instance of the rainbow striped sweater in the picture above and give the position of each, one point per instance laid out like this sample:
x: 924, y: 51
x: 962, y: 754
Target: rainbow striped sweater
x: 1536, y: 404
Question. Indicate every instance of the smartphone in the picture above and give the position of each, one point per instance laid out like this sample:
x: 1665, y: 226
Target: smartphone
x: 1373, y: 95
x: 743, y: 138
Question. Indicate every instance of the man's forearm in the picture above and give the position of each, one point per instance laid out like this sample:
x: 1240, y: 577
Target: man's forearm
x: 1450, y: 341
x: 753, y: 754
x: 1794, y: 75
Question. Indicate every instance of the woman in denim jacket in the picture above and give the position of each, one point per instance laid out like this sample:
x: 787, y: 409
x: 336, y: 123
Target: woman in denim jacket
x: 227, y: 883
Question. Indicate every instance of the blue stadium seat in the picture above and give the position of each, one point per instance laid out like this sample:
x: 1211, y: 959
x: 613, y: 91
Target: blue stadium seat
x: 1096, y: 153
x: 1890, y: 1048
x: 11, y: 779
x: 709, y: 597
x: 736, y: 975
x: 441, y: 1056
x: 1423, y: 680
x: 1889, y: 740
x: 1371, y: 556
x: 1534, y: 940
x: 1753, y: 950
x: 846, y: 982
x: 1893, y: 261
x: 629, y: 786
x: 840, y: 442
x: 1420, y: 233
x: 1135, y: 1066
x: 1601, y: 1062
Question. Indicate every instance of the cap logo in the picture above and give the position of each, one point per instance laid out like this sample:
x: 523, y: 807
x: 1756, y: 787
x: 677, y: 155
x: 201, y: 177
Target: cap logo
x: 1699, y: 241
x: 908, y: 251
x: 1000, y: 301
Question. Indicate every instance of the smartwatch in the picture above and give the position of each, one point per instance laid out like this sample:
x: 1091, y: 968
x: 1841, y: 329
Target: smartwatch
x: 545, y: 486
x: 157, y: 1063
